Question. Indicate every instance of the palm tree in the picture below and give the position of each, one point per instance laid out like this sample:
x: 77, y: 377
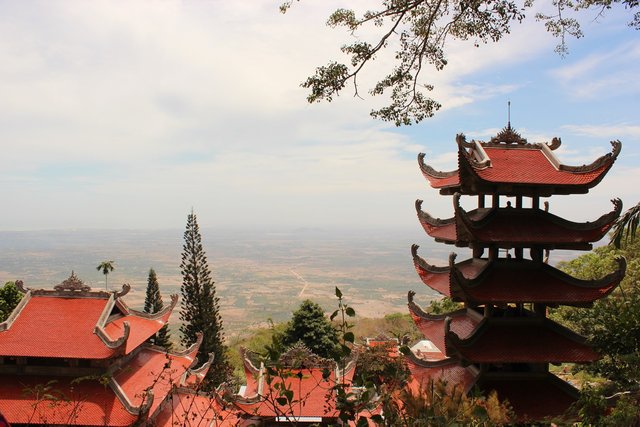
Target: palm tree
x: 106, y: 267
x: 625, y: 227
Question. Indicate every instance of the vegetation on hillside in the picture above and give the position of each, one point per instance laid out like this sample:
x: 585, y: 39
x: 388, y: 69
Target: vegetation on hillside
x: 612, y: 326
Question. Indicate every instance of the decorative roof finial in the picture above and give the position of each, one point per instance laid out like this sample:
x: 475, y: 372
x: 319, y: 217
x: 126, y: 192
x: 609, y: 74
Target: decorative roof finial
x: 73, y: 283
x: 509, y: 114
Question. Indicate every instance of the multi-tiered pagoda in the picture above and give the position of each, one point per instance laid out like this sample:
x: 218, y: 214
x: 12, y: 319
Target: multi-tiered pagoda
x: 502, y: 339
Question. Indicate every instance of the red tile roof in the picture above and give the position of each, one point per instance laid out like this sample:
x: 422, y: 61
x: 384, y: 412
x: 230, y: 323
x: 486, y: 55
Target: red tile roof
x: 91, y: 401
x: 521, y: 165
x: 510, y: 226
x: 186, y: 408
x: 432, y: 326
x: 155, y: 368
x: 51, y: 326
x: 447, y: 370
x: 311, y: 396
x: 87, y: 402
x: 531, y: 166
x: 524, y: 281
x: 520, y: 340
x: 533, y: 396
x: 479, y: 281
x: 64, y: 326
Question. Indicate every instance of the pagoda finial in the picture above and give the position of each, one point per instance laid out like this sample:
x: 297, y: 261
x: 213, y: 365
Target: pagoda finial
x: 509, y: 114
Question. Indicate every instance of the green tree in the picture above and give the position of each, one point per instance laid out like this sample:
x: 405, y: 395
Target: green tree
x: 153, y: 304
x: 200, y: 307
x: 310, y: 326
x: 106, y: 267
x: 10, y: 296
x: 612, y: 326
x: 420, y: 29
x: 624, y: 231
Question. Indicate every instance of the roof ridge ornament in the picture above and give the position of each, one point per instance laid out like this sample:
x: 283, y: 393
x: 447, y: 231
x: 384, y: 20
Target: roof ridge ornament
x: 72, y: 284
x: 508, y: 136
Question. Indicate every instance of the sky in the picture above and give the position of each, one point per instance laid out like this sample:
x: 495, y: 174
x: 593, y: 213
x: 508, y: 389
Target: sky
x: 128, y: 115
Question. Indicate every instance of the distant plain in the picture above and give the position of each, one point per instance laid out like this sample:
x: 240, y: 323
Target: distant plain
x: 259, y: 274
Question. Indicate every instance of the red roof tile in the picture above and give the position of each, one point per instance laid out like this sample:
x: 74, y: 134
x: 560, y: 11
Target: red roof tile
x: 525, y: 281
x: 447, y: 370
x: 188, y: 409
x: 432, y: 326
x: 310, y: 396
x: 520, y: 340
x: 510, y: 226
x: 523, y: 165
x: 64, y: 327
x: 533, y: 397
x: 87, y: 402
x: 531, y: 166
x: 50, y: 326
x: 153, y: 368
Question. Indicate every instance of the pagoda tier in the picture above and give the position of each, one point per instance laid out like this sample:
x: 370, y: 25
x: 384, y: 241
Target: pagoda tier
x: 447, y: 370
x: 468, y: 336
x: 532, y: 395
x: 515, y: 227
x: 501, y: 281
x: 509, y: 165
x: 463, y: 323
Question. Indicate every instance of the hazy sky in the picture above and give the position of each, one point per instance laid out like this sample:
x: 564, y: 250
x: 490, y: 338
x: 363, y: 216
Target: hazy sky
x: 128, y: 114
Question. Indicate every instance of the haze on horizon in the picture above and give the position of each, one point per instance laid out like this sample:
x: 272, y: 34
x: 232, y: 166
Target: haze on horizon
x: 125, y: 115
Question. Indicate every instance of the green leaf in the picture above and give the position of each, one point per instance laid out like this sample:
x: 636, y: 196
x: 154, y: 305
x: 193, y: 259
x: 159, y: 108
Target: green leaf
x: 350, y: 312
x: 349, y: 336
x: 338, y: 293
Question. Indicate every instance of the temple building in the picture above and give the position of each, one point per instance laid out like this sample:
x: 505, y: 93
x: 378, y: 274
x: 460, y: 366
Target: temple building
x: 310, y: 379
x: 502, y: 339
x: 73, y: 356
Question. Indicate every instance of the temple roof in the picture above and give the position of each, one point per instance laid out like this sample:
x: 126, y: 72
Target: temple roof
x: 74, y: 322
x: 467, y: 335
x: 136, y: 387
x: 448, y: 370
x: 463, y: 322
x: 533, y: 396
x: 305, y: 374
x: 511, y: 227
x: 190, y: 409
x: 518, y: 340
x: 508, y: 165
x: 501, y: 281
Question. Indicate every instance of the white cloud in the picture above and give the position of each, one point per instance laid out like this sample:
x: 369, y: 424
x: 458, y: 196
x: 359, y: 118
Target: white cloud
x: 127, y: 114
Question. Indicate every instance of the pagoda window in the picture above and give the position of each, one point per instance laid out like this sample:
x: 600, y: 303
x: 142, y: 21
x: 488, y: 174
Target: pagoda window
x: 480, y: 200
x: 495, y: 202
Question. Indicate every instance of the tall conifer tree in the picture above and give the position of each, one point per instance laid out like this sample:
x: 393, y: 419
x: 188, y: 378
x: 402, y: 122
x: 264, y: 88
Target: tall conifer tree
x: 153, y: 304
x: 199, y: 306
